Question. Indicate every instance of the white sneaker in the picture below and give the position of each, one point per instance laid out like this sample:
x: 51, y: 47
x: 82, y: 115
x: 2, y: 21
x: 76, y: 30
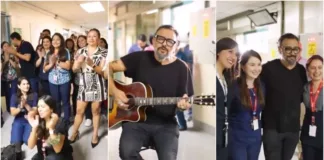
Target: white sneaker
x: 88, y: 122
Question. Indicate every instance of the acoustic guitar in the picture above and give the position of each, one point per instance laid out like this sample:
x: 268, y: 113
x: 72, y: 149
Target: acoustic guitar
x: 140, y: 97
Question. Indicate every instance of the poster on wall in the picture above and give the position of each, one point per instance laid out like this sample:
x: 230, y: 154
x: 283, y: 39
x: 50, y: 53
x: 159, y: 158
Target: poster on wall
x: 311, y: 48
x: 311, y: 41
x: 18, y: 30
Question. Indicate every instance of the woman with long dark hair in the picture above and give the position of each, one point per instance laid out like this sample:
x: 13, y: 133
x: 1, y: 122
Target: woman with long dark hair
x: 312, y: 129
x: 92, y: 88
x: 44, y: 49
x: 245, y: 109
x: 57, y: 63
x: 22, y: 103
x: 226, y: 50
x: 9, y: 73
x: 49, y: 132
x: 103, y: 43
x: 81, y: 43
x: 69, y: 43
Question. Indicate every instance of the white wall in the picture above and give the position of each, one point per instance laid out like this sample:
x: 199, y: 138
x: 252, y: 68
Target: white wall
x: 204, y: 73
x: 303, y: 17
x: 32, y: 21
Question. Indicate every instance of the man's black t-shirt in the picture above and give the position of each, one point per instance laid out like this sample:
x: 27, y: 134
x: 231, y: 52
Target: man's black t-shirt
x: 284, y: 90
x: 172, y: 80
x: 27, y: 67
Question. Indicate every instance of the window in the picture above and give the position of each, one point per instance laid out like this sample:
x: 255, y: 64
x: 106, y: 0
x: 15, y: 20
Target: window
x: 5, y: 31
x: 257, y: 41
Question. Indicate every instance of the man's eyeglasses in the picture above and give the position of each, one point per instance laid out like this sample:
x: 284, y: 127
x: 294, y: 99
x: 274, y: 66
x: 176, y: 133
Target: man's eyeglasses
x: 291, y: 50
x: 161, y: 39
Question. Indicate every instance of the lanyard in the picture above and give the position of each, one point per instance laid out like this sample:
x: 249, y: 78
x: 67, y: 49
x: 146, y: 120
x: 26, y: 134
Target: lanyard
x: 313, y: 98
x: 254, y: 107
x: 223, y: 84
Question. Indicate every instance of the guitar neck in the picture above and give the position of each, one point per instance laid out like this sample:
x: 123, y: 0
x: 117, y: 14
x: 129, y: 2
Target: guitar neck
x: 158, y: 101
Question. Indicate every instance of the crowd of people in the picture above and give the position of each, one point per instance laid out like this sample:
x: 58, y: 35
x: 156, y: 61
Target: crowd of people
x: 38, y: 85
x: 268, y: 97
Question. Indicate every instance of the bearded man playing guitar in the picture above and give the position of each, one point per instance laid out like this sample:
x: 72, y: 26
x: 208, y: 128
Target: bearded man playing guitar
x: 168, y: 77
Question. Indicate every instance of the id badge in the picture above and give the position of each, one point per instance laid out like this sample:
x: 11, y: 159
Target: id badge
x: 81, y: 82
x: 312, y: 130
x: 255, y: 124
x: 55, y: 78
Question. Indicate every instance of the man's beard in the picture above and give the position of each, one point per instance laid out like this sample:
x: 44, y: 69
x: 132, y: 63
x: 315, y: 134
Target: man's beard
x: 290, y: 60
x: 161, y: 56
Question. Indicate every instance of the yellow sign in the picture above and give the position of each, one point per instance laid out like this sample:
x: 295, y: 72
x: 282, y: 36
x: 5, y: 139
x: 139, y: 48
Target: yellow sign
x: 273, y: 53
x: 206, y: 28
x: 194, y: 30
x: 311, y: 49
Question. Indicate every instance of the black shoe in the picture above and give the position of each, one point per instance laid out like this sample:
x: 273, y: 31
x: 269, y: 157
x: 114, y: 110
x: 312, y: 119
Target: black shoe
x: 93, y: 145
x: 182, y: 128
x: 76, y: 138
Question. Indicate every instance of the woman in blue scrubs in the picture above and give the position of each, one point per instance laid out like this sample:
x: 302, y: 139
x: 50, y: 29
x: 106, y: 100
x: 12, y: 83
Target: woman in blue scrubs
x: 226, y: 51
x: 245, y: 108
x: 21, y: 103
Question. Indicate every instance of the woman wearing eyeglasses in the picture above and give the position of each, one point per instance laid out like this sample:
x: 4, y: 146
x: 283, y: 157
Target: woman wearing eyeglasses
x: 312, y: 129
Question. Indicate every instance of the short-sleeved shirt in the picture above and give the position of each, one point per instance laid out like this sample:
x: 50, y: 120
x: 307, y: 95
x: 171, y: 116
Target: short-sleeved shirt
x: 134, y: 48
x: 63, y: 75
x: 32, y: 100
x: 28, y: 68
x: 284, y: 94
x: 62, y: 128
x: 171, y: 80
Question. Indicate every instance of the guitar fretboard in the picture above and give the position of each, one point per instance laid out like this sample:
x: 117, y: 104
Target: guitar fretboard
x: 158, y: 101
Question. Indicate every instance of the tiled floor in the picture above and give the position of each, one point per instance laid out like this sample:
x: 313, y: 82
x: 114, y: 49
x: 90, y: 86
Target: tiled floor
x: 82, y: 148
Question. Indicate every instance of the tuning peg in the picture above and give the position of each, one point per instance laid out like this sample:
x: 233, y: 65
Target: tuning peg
x: 200, y: 103
x: 206, y: 103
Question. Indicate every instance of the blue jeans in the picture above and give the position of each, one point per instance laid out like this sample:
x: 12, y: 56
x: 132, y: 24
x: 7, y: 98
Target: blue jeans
x: 34, y: 84
x: 10, y: 88
x: 181, y: 119
x: 61, y: 93
x: 20, y: 131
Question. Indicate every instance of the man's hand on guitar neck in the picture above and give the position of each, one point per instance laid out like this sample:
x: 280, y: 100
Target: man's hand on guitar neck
x: 183, y: 104
x: 120, y: 98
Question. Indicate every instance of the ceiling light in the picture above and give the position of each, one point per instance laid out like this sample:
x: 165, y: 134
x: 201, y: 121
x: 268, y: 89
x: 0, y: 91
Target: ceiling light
x: 152, y: 11
x: 92, y: 7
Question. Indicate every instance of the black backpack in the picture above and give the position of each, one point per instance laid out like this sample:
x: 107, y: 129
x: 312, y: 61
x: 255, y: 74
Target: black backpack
x: 9, y: 153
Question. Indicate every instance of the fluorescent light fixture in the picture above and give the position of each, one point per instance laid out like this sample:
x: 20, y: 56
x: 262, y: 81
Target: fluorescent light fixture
x: 92, y: 7
x: 261, y: 18
x: 152, y: 11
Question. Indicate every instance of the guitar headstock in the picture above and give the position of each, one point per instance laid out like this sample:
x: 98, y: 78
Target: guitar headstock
x: 205, y: 100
